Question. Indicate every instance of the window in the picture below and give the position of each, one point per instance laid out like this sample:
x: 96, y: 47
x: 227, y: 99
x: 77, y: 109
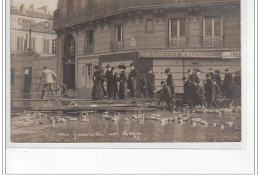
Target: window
x: 20, y: 21
x: 20, y: 43
x: 177, y: 28
x: 53, y: 46
x: 212, y: 27
x: 118, y: 33
x: 149, y: 25
x: 33, y: 44
x: 45, y: 45
x: 90, y: 41
x: 12, y: 76
x: 46, y: 25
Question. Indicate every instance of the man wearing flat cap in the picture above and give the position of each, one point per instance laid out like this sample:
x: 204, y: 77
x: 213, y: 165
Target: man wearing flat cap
x: 132, y: 80
x: 169, y: 81
x: 108, y: 77
x: 227, y: 84
x: 166, y: 95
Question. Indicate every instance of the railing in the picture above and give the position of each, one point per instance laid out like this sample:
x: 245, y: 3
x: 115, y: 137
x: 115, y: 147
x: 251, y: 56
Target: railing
x: 177, y: 42
x: 117, y: 45
x: 212, y: 41
x: 90, y: 48
x: 112, y: 6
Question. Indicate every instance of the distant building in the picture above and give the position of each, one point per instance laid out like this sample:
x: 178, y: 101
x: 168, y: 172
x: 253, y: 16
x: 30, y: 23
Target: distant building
x: 33, y: 45
x: 153, y: 34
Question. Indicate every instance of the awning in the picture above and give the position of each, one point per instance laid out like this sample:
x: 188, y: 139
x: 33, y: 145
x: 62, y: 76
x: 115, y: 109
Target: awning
x: 118, y: 57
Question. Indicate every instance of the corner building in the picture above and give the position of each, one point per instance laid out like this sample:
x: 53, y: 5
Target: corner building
x: 156, y: 34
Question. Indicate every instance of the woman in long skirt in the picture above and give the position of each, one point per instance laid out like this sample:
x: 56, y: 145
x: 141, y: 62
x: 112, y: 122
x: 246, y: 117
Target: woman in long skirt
x: 123, y: 82
x: 97, y: 91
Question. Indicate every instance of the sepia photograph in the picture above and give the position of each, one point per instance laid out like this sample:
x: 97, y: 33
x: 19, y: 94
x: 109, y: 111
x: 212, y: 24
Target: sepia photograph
x: 125, y: 71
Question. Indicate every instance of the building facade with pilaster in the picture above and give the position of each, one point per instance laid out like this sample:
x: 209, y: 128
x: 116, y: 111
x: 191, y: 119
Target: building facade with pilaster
x: 152, y: 34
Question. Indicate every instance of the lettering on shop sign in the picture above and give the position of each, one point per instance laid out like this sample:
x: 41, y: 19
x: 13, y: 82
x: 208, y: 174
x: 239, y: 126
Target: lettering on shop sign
x: 169, y: 54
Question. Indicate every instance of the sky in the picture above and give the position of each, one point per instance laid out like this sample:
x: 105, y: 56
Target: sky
x: 51, y: 4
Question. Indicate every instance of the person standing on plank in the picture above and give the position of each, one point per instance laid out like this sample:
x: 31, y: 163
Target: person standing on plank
x: 132, y: 80
x: 227, y: 84
x: 123, y: 82
x: 169, y: 81
x: 97, y: 91
x: 211, y: 94
x: 143, y: 83
x: 108, y: 77
x: 48, y: 77
x: 114, y: 87
x: 151, y: 83
x: 188, y: 96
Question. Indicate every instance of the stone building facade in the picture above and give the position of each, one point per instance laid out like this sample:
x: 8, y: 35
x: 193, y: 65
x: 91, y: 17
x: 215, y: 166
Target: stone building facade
x: 153, y: 34
x: 33, y: 45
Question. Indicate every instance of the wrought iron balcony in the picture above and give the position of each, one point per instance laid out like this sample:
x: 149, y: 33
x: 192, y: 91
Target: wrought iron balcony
x: 177, y: 42
x: 90, y: 48
x: 117, y: 45
x: 212, y: 41
x: 106, y: 8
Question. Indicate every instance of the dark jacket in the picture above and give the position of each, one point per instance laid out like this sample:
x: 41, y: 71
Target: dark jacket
x: 114, y: 87
x: 123, y: 85
x: 143, y: 83
x: 192, y: 77
x: 212, y: 75
x: 218, y: 80
x: 227, y: 84
x: 210, y: 89
x: 166, y: 90
x: 132, y: 82
x: 97, y: 91
x: 151, y: 82
x: 108, y: 77
x: 188, y: 97
x: 237, y: 80
x: 169, y: 82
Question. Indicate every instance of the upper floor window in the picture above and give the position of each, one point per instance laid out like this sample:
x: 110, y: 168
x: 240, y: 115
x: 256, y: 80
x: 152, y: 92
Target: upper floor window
x: 53, y: 46
x: 46, y: 45
x: 177, y: 28
x: 118, y: 33
x: 149, y: 25
x: 19, y: 43
x: 212, y: 31
x: 90, y: 41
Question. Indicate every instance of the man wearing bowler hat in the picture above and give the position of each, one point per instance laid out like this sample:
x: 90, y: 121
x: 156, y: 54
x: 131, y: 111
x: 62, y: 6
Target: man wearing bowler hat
x: 132, y: 80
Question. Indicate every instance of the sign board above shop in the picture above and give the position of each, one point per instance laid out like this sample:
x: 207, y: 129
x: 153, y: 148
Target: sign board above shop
x: 172, y: 54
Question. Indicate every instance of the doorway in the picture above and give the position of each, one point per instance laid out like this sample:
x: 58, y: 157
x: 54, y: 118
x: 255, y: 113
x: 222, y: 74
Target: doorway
x: 69, y: 75
x: 27, y: 78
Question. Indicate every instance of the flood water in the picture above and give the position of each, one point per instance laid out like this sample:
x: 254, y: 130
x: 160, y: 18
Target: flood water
x: 98, y: 129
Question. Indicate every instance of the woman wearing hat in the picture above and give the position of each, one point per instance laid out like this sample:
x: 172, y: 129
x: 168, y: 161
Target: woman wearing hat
x: 211, y: 93
x: 123, y: 82
x: 97, y: 91
x: 132, y: 80
x: 189, y: 97
x: 108, y: 77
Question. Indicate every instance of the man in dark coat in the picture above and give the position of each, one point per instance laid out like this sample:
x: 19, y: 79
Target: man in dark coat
x: 227, y: 84
x: 151, y: 83
x: 188, y: 96
x: 212, y: 75
x: 114, y: 87
x: 237, y: 78
x: 218, y: 78
x: 191, y: 76
x: 198, y: 91
x: 97, y: 91
x: 123, y: 83
x: 166, y: 95
x: 108, y: 77
x: 211, y: 94
x: 169, y: 81
x: 132, y: 80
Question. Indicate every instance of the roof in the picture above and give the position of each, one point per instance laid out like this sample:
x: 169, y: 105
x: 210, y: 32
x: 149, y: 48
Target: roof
x: 30, y: 13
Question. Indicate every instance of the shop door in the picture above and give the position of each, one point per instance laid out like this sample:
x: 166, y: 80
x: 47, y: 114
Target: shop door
x: 27, y: 79
x: 69, y: 75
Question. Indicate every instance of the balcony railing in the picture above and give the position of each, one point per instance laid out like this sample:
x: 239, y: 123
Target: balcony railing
x: 117, y: 45
x: 113, y: 6
x: 212, y: 41
x: 177, y: 42
x: 90, y: 48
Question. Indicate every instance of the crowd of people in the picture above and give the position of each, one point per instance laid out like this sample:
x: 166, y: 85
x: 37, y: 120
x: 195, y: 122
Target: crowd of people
x: 194, y: 94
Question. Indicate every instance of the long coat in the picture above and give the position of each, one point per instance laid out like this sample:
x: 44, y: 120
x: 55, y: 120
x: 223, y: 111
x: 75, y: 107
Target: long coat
x: 218, y: 80
x: 210, y: 89
x: 114, y: 87
x: 227, y: 84
x: 188, y: 97
x: 132, y: 82
x: 237, y: 80
x: 143, y: 83
x: 169, y: 82
x: 150, y: 82
x: 108, y: 77
x: 123, y: 85
x: 47, y: 76
x: 97, y: 91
